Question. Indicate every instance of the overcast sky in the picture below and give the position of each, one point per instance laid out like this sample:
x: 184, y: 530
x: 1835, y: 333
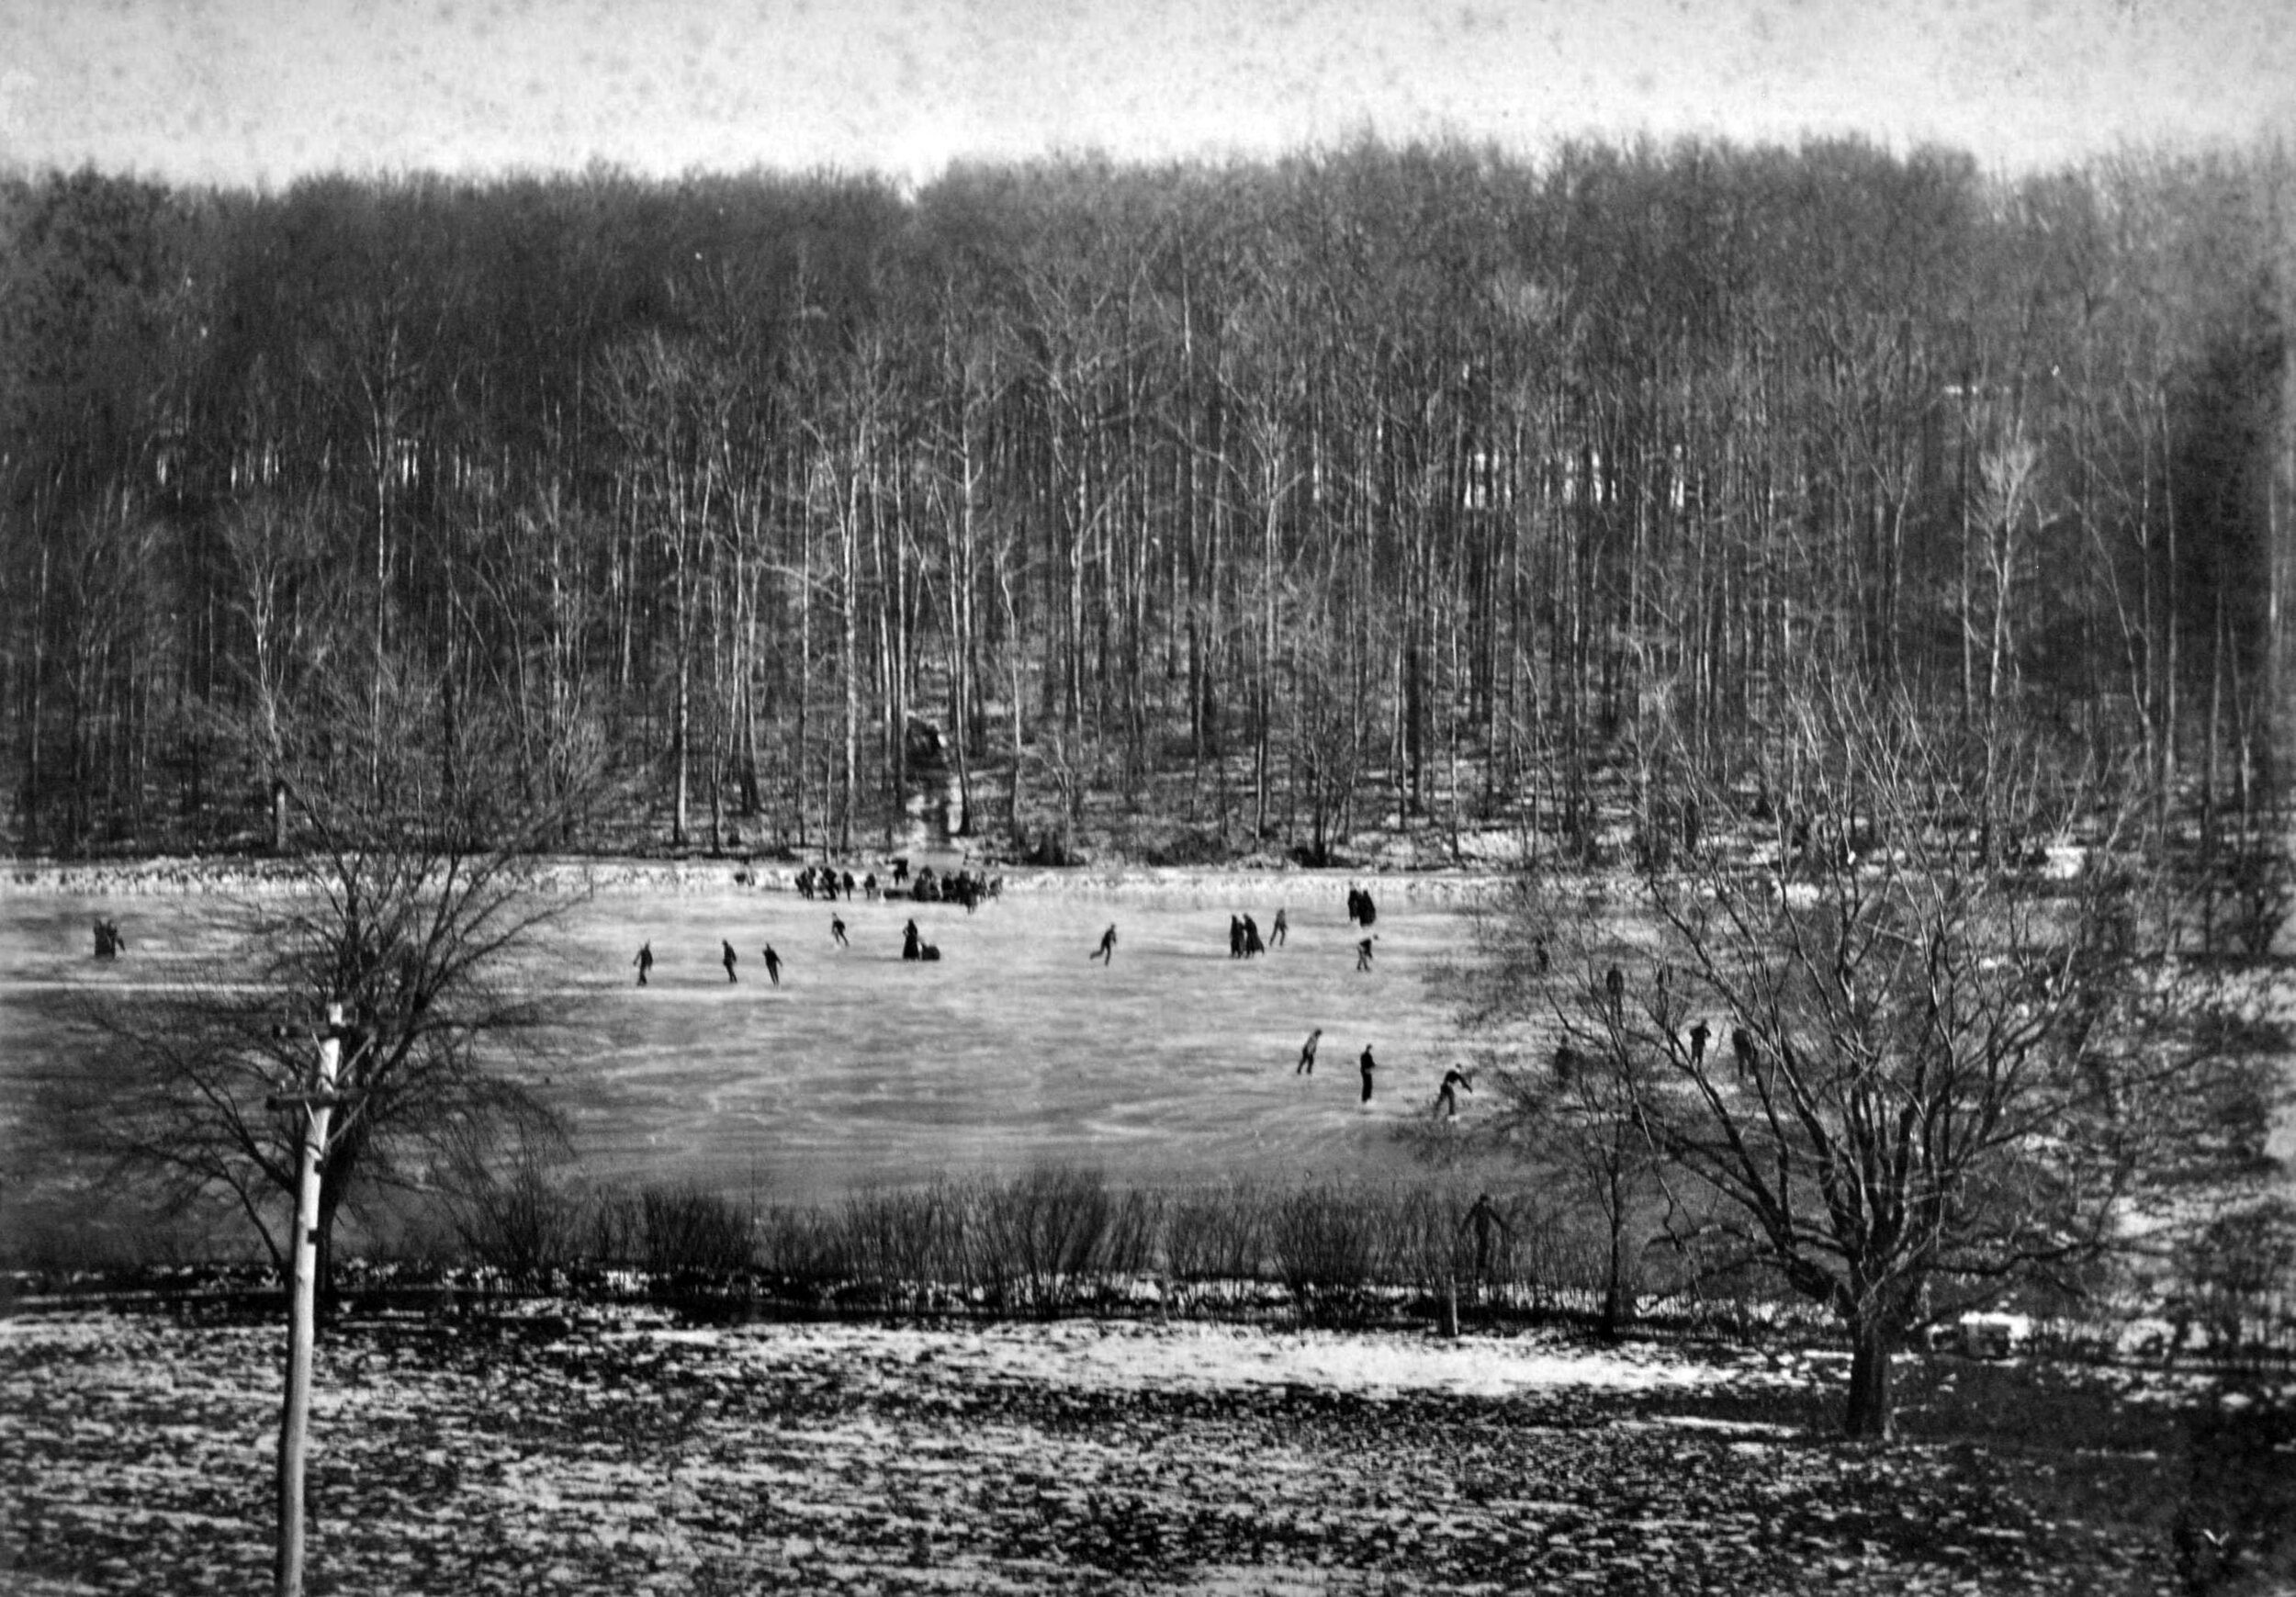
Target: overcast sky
x: 247, y: 91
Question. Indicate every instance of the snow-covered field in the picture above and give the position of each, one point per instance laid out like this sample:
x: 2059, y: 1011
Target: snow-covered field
x: 565, y: 1449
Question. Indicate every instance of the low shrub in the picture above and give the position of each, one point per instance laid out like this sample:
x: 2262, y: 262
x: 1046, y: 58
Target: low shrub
x: 1327, y: 1244
x: 688, y: 1235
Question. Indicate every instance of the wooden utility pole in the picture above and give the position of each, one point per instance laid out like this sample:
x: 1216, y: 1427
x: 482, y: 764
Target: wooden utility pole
x: 318, y: 1101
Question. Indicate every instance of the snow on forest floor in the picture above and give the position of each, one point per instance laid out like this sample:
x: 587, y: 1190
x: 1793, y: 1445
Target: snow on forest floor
x: 577, y: 1450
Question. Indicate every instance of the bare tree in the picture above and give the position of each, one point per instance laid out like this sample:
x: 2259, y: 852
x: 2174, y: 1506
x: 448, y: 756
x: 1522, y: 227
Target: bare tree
x: 421, y: 919
x: 1935, y: 1068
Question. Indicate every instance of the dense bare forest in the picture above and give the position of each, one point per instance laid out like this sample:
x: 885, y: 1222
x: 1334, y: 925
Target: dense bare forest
x: 1190, y: 511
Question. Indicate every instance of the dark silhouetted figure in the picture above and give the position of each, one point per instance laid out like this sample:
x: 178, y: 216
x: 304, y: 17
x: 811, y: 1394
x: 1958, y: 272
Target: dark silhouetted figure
x: 1363, y: 953
x: 727, y: 958
x: 1539, y: 955
x: 869, y: 886
x: 109, y: 944
x: 645, y: 964
x: 912, y: 945
x: 1306, y: 1053
x: 1614, y: 984
x: 1367, y: 1064
x: 1365, y: 911
x: 1446, y: 1103
x: 1566, y: 1065
x: 1698, y: 1035
x: 1106, y: 953
x: 1235, y: 937
x: 837, y: 931
x: 1355, y: 904
x: 1277, y: 932
x: 1252, y: 944
x: 1742, y: 1045
x: 772, y: 964
x: 900, y: 870
x: 847, y: 882
x: 1485, y: 1218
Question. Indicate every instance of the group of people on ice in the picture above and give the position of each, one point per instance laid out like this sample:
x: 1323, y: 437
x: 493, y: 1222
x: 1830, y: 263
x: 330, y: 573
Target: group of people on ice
x: 969, y: 888
x: 1456, y: 1080
x: 1245, y: 943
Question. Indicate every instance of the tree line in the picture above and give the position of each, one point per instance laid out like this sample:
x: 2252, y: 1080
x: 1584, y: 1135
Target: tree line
x: 1208, y: 506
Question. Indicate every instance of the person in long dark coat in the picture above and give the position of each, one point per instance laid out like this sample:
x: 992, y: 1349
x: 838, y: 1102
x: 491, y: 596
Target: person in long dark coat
x: 1485, y: 1218
x: 727, y: 958
x: 1367, y: 1064
x: 772, y: 964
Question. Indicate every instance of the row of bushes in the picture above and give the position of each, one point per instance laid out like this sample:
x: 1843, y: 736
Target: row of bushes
x: 1050, y: 1242
x: 1060, y: 1240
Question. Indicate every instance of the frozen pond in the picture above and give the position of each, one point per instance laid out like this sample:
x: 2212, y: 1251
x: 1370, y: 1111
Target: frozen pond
x: 1172, y: 1064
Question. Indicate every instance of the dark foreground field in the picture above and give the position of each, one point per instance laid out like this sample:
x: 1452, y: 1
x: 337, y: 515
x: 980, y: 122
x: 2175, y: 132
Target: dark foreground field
x: 562, y: 1449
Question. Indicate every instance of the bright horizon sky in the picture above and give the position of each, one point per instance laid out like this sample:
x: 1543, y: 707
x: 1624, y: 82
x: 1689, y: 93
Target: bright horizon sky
x: 265, y: 91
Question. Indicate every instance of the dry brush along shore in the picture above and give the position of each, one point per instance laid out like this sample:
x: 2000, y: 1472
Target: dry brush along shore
x: 563, y: 1446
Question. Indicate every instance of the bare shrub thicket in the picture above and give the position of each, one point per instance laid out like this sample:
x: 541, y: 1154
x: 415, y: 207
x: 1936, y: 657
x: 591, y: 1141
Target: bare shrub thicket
x: 518, y: 1214
x: 1039, y: 1240
x: 1329, y: 1247
x: 688, y: 1233
x: 1217, y: 1234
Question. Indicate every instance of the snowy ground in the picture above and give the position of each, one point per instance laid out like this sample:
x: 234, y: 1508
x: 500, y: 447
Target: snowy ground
x: 571, y: 1450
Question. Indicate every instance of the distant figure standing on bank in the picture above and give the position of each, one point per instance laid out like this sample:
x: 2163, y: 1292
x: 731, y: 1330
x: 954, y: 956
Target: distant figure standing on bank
x: 837, y: 931
x: 1363, y: 953
x: 912, y: 945
x: 1446, y: 1103
x: 1253, y: 947
x: 645, y: 964
x: 1106, y: 953
x: 109, y: 944
x: 1698, y: 1035
x: 1277, y: 932
x: 1614, y: 984
x: 772, y: 964
x: 1365, y: 911
x: 1367, y: 1064
x: 1235, y: 937
x: 1485, y: 1218
x: 1306, y: 1053
x: 727, y: 958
